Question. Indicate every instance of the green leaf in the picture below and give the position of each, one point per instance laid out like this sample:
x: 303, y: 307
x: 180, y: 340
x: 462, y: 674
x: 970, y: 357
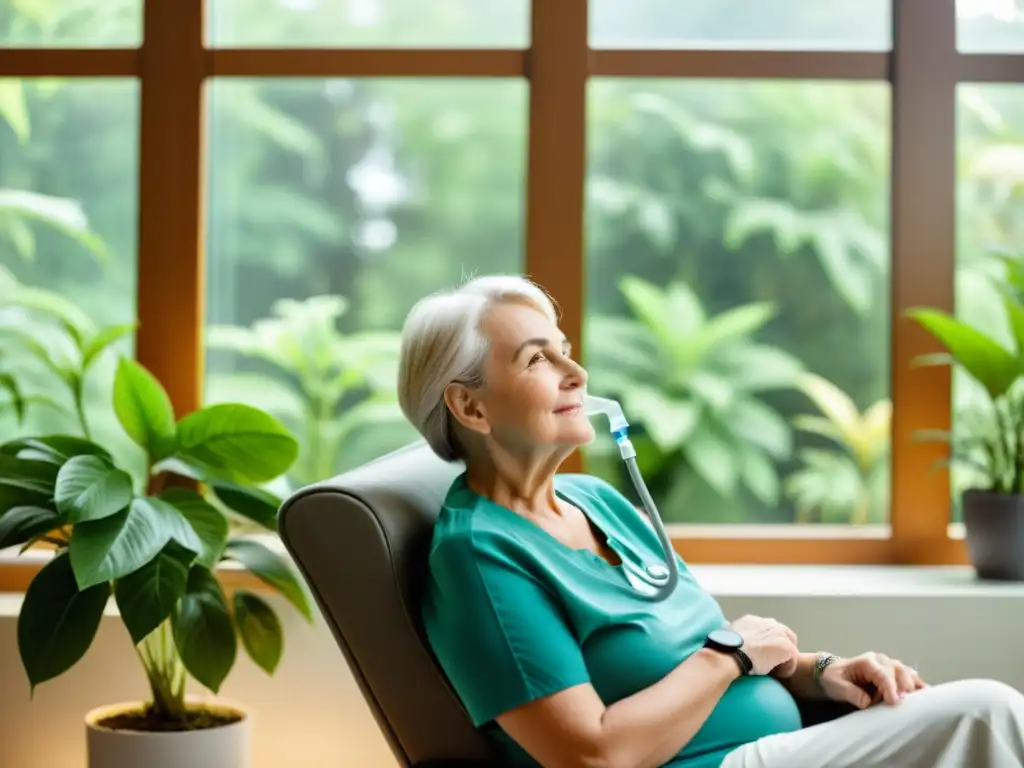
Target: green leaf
x: 62, y: 214
x: 272, y: 569
x: 147, y: 596
x: 831, y: 401
x: 107, y: 549
x: 251, y: 503
x: 714, y: 459
x: 31, y: 475
x: 669, y: 421
x: 754, y: 367
x: 260, y: 629
x: 76, y: 323
x: 750, y: 419
x: 277, y: 397
x: 733, y: 324
x: 209, y: 523
x: 144, y: 409
x: 13, y: 108
x: 57, y: 622
x: 56, y: 449
x: 22, y: 237
x: 14, y: 496
x: 102, y: 340
x: 89, y: 488
x: 10, y: 385
x: 21, y: 524
x: 993, y: 366
x: 176, y: 523
x: 759, y: 474
x: 1015, y: 316
x: 819, y: 425
x: 237, y: 442
x: 33, y: 399
x: 26, y: 341
x: 648, y: 302
x: 203, y: 631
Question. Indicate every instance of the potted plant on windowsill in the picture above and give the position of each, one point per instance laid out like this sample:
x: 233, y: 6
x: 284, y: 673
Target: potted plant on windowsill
x: 153, y: 543
x: 988, y: 440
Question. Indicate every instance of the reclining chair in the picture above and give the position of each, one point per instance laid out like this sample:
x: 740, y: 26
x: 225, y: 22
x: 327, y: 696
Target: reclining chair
x: 360, y: 541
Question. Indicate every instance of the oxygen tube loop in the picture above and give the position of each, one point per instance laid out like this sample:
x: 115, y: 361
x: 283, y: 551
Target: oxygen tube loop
x: 593, y: 406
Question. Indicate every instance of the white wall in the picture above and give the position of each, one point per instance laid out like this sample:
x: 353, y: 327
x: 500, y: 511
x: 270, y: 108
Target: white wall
x: 311, y: 715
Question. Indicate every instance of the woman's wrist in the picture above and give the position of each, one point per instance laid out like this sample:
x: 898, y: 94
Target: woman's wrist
x: 727, y: 663
x: 822, y: 661
x: 803, y: 683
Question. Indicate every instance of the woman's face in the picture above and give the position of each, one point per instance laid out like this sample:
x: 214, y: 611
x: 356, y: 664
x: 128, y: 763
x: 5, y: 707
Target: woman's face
x: 533, y: 390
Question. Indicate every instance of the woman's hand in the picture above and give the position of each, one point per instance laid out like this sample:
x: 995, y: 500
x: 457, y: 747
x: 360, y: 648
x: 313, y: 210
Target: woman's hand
x: 868, y: 679
x: 769, y: 644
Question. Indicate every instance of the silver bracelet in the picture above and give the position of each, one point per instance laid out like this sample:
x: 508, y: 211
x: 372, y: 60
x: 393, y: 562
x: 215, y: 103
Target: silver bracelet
x: 823, y: 662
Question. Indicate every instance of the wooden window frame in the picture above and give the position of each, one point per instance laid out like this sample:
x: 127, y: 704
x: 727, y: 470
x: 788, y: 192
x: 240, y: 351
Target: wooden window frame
x: 923, y: 69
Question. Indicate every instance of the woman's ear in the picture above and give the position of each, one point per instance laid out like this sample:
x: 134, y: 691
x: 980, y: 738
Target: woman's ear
x: 466, y: 408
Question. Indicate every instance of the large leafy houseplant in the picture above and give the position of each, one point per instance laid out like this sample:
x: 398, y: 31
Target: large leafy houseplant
x: 989, y: 440
x: 152, y: 540
x: 987, y: 444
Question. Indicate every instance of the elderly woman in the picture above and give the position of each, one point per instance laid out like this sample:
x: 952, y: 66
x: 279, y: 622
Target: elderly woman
x: 534, y: 611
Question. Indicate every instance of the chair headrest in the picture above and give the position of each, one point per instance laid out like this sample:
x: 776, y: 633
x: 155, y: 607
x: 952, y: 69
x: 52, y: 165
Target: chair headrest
x: 361, y: 542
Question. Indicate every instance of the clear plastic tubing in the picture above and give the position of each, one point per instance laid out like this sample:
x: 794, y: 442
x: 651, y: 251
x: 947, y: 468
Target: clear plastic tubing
x: 594, y: 406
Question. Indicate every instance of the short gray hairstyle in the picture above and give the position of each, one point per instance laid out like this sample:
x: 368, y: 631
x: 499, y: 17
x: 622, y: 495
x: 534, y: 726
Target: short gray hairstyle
x: 442, y: 343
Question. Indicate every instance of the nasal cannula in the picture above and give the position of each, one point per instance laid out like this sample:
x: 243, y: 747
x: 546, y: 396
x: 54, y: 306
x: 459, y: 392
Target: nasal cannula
x: 593, y: 406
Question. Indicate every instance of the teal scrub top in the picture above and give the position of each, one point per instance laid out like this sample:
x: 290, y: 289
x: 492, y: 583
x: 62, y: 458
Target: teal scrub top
x: 514, y: 615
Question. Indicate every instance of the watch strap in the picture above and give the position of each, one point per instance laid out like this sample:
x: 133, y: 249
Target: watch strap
x: 746, y: 665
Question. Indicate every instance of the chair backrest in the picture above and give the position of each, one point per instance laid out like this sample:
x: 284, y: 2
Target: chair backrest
x: 360, y: 541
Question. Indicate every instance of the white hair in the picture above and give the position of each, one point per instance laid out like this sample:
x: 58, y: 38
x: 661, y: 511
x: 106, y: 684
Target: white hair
x: 442, y: 343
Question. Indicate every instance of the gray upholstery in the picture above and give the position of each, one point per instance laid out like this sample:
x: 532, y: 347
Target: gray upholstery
x: 360, y: 541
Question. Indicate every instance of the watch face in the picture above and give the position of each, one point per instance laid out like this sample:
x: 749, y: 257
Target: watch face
x: 726, y: 638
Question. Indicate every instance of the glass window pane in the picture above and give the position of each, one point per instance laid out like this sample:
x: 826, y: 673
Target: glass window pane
x: 335, y: 205
x: 761, y: 24
x: 68, y: 212
x: 990, y: 230
x: 990, y: 26
x: 70, y: 23
x: 737, y: 295
x: 369, y: 23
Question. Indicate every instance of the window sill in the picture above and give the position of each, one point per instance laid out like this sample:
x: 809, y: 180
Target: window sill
x: 849, y: 581
x: 725, y: 580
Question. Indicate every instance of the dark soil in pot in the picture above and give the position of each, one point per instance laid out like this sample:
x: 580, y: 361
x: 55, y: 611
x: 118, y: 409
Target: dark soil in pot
x: 148, y: 720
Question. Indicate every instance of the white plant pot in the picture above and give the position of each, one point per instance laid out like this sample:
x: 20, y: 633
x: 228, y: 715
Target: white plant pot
x: 227, y: 746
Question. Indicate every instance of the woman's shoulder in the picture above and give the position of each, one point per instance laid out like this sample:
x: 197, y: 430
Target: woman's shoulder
x: 466, y: 529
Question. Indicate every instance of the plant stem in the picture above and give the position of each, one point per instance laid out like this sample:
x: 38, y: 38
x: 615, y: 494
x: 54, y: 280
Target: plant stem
x: 165, y: 672
x: 326, y: 461
x: 80, y: 409
x: 1008, y: 444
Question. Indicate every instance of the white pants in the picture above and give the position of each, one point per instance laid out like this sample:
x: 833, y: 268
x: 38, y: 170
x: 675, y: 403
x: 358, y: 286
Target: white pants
x: 965, y: 724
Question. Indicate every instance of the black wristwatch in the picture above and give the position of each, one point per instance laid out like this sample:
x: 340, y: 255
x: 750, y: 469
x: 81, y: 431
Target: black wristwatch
x: 727, y: 641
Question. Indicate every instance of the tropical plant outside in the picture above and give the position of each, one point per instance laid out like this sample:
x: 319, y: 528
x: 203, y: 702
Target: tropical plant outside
x: 337, y: 203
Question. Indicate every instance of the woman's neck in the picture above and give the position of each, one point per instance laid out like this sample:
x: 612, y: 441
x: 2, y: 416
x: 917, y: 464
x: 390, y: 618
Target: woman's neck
x: 522, y: 484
